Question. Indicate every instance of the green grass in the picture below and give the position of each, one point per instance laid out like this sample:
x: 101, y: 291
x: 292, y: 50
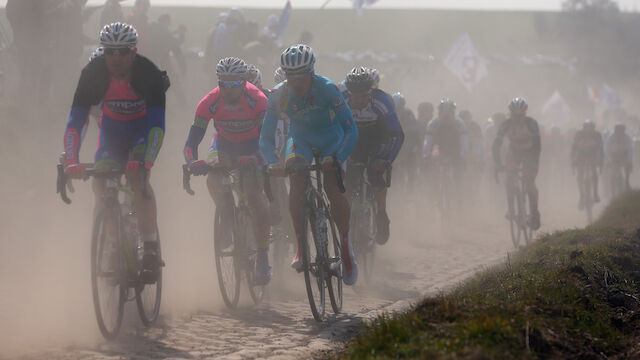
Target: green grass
x: 571, y: 294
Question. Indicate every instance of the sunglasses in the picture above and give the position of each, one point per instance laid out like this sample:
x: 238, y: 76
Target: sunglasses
x: 117, y: 51
x: 229, y: 84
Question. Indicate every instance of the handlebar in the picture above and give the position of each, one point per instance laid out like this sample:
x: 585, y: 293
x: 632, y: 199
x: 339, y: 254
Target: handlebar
x: 62, y: 180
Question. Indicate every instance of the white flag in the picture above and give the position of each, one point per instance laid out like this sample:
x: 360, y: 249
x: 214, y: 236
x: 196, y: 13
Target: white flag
x: 283, y: 23
x: 610, y: 98
x: 359, y: 4
x: 556, y: 111
x: 465, y: 62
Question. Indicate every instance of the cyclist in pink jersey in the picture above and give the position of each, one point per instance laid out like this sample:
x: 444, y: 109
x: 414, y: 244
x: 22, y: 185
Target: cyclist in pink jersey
x: 237, y: 108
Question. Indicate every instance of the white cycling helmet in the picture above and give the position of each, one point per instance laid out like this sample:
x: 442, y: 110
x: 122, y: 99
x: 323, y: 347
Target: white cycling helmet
x: 118, y: 34
x: 232, y: 66
x: 279, y: 75
x: 97, y: 52
x: 298, y: 58
x: 254, y: 75
x: 518, y: 106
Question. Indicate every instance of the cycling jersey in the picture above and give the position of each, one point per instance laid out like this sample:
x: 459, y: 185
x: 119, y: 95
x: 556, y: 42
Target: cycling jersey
x: 237, y: 128
x: 379, y: 132
x: 587, y: 148
x: 312, y: 125
x: 449, y: 135
x: 523, y: 136
x: 619, y: 149
x: 139, y: 100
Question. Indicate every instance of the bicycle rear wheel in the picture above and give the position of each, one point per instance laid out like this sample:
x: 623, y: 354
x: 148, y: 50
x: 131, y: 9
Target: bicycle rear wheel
x: 108, y: 282
x: 226, y: 258
x: 148, y: 297
x: 314, y: 270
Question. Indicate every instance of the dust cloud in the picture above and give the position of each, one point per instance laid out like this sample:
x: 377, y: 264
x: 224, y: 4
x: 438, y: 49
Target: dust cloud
x: 45, y: 288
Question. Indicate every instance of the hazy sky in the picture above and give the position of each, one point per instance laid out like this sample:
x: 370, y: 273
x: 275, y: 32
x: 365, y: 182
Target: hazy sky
x: 447, y: 4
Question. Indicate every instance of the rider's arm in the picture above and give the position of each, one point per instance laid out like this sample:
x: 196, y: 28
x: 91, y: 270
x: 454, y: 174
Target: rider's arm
x: 537, y: 146
x: 394, y: 136
x: 464, y: 138
x: 198, y: 129
x: 600, y: 151
x: 84, y: 97
x: 344, y: 117
x: 427, y: 147
x: 269, y: 125
x: 155, y: 117
x: 497, y: 143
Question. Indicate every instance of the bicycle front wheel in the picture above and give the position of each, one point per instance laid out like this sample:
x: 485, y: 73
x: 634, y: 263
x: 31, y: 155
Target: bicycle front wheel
x: 108, y: 281
x: 148, y: 297
x: 314, y: 269
x: 246, y: 233
x: 334, y: 277
x: 226, y: 258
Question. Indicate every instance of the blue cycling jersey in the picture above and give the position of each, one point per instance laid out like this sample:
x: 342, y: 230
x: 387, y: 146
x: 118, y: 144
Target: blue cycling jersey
x: 320, y: 120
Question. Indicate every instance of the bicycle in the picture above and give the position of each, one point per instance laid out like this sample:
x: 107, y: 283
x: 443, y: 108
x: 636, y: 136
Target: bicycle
x: 445, y: 194
x: 364, y: 211
x: 321, y: 263
x: 235, y: 252
x: 617, y: 178
x: 586, y: 179
x: 116, y: 254
x: 517, y: 215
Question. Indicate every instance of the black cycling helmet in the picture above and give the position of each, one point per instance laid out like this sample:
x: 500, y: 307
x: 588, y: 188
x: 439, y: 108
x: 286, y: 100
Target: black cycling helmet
x: 359, y: 80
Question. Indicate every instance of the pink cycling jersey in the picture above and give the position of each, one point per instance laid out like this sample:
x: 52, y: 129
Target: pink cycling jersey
x: 238, y: 124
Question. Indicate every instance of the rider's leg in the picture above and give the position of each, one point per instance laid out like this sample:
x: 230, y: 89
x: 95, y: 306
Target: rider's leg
x: 379, y: 188
x: 580, y: 176
x: 594, y: 176
x: 530, y: 171
x: 341, y: 214
x: 257, y: 203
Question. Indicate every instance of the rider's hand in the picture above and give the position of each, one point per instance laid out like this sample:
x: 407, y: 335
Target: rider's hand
x: 276, y: 170
x: 379, y: 165
x: 199, y: 167
x: 76, y: 171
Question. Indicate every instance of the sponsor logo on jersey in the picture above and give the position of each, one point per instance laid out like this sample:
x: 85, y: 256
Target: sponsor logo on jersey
x: 125, y: 107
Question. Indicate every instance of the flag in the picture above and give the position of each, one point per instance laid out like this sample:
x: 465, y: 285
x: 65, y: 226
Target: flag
x: 556, y: 111
x: 465, y: 62
x: 610, y: 98
x: 283, y: 23
x: 360, y: 4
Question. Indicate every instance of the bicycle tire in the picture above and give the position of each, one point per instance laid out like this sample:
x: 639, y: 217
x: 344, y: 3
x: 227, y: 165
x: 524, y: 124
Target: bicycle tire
x: 314, y: 277
x: 248, y: 248
x: 227, y: 266
x: 153, y: 293
x: 113, y: 278
x: 335, y: 277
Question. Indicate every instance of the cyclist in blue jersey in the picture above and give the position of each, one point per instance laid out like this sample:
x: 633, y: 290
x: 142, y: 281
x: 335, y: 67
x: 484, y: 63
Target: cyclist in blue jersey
x: 380, y: 140
x: 309, y: 100
x: 132, y: 92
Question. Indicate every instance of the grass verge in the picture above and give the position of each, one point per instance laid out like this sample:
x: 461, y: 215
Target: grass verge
x: 571, y: 294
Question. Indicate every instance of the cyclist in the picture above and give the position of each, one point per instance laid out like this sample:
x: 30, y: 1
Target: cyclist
x: 308, y: 100
x: 131, y: 89
x: 254, y: 76
x: 379, y: 141
x: 408, y: 159
x: 236, y: 108
x: 618, y: 152
x: 448, y: 133
x: 587, y: 154
x: 523, y: 150
x: 474, y: 160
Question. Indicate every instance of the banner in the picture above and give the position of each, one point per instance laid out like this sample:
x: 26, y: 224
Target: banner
x: 465, y: 62
x: 283, y: 23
